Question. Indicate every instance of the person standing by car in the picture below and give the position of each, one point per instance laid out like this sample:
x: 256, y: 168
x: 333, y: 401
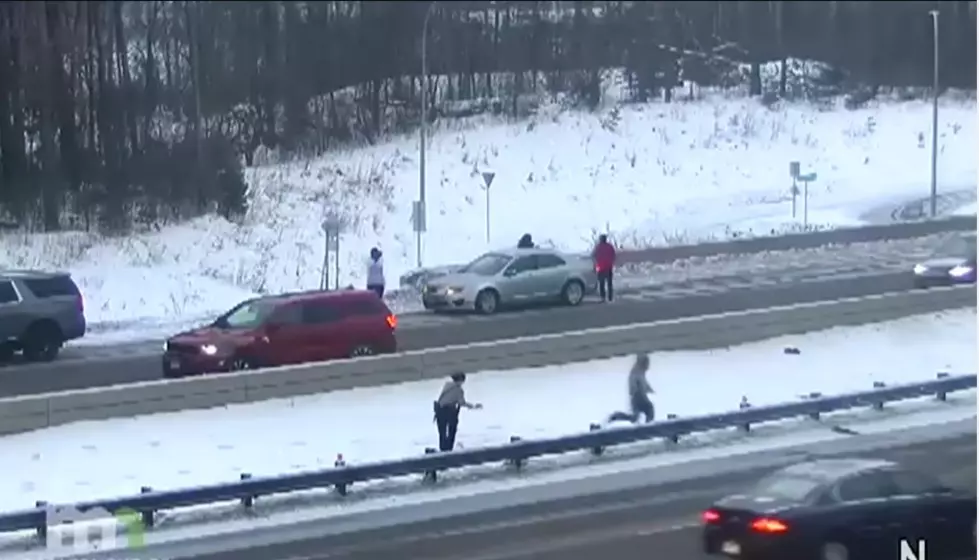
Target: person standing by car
x: 451, y: 401
x: 375, y: 273
x: 639, y: 391
x: 604, y: 257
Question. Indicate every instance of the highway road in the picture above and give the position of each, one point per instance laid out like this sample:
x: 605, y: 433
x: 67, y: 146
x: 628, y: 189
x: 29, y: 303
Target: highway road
x: 639, y: 524
x: 141, y: 362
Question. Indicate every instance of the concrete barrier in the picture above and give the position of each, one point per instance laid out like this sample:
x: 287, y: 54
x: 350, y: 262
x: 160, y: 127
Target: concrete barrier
x: 25, y: 413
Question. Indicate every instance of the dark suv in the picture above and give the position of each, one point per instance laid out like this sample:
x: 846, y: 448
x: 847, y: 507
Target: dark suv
x: 39, y: 312
x: 285, y: 329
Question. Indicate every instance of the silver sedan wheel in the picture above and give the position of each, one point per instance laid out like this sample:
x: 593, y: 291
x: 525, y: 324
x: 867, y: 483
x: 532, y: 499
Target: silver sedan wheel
x: 486, y: 302
x: 573, y: 293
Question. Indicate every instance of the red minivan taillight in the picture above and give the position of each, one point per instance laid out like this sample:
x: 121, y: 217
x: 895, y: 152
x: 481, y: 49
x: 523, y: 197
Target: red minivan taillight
x: 392, y: 321
x: 769, y: 525
x: 710, y: 516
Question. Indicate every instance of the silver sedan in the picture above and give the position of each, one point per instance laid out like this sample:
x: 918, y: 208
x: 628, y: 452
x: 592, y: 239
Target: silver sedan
x: 512, y: 278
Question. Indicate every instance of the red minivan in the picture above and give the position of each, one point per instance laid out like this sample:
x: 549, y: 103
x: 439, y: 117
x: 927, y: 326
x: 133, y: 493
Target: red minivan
x: 285, y: 329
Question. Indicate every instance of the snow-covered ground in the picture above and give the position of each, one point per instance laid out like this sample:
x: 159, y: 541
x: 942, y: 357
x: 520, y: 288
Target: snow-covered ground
x: 649, y: 173
x: 92, y: 460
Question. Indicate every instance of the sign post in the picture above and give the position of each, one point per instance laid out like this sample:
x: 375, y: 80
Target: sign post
x: 806, y: 179
x: 332, y: 227
x: 419, y: 226
x: 794, y: 173
x: 488, y: 177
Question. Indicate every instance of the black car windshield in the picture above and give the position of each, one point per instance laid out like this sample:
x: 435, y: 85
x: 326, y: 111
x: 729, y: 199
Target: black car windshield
x: 487, y: 265
x: 786, y: 486
x: 960, y: 246
x: 246, y: 315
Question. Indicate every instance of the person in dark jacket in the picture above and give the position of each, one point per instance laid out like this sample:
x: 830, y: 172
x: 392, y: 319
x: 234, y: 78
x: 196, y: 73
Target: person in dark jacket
x: 451, y: 401
x: 375, y: 273
x: 526, y: 242
x: 639, y: 391
x: 604, y: 257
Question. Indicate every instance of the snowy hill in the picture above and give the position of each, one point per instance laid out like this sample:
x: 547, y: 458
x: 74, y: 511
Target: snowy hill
x: 649, y: 174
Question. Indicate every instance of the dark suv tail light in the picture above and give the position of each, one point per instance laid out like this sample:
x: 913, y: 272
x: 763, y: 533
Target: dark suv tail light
x: 768, y: 525
x: 710, y: 516
x: 392, y: 321
x: 81, y: 304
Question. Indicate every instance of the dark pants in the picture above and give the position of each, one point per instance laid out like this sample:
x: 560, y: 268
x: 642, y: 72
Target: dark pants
x: 641, y: 405
x: 377, y: 289
x: 605, y: 284
x: 447, y: 422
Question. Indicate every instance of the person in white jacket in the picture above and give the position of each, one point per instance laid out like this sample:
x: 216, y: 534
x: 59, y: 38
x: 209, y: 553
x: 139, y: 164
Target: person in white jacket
x: 375, y: 273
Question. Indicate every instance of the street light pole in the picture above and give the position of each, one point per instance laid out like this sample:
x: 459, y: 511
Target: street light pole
x: 934, y: 117
x: 423, y: 137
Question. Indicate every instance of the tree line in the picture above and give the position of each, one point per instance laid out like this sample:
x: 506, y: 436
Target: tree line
x: 116, y: 115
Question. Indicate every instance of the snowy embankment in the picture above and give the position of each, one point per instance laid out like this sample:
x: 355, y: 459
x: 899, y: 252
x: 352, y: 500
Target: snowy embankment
x: 650, y: 174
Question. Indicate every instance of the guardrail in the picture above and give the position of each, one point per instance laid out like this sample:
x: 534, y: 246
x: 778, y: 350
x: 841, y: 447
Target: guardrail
x: 31, y: 412
x: 845, y: 235
x: 514, y: 454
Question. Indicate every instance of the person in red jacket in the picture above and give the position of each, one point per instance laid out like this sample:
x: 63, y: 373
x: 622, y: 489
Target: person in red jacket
x: 604, y: 257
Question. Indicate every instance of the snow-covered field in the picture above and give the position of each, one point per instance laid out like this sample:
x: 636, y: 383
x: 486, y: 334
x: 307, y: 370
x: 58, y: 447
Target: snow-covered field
x: 92, y: 460
x: 650, y: 174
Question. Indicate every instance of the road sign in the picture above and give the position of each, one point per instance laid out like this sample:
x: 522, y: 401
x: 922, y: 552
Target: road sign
x: 807, y: 178
x: 333, y: 241
x: 333, y: 222
x: 793, y: 169
x: 488, y: 177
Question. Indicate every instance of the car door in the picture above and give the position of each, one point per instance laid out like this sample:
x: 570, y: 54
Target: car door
x: 13, y: 319
x: 878, y: 521
x: 550, y: 276
x: 324, y: 335
x: 519, y: 283
x: 282, y: 331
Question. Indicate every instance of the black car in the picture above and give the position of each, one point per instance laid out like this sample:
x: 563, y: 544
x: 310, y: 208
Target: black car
x: 842, y: 509
x: 953, y: 263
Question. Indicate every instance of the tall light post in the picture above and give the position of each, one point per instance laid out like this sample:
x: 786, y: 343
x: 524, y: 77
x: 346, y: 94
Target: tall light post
x: 420, y: 211
x: 934, y: 116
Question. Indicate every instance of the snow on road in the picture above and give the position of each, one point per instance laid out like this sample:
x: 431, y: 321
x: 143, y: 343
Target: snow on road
x: 92, y: 460
x: 648, y: 173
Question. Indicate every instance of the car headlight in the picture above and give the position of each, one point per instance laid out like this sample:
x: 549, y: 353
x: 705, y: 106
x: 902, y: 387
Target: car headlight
x: 920, y: 269
x: 452, y: 290
x: 209, y: 349
x: 960, y: 270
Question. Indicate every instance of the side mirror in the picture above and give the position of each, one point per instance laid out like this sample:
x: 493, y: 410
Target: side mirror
x: 510, y: 272
x: 272, y: 327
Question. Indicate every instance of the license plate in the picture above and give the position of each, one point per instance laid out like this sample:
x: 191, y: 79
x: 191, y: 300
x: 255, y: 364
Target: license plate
x: 731, y: 547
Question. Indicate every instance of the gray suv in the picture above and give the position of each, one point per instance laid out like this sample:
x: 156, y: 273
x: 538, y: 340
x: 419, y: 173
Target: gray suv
x: 39, y: 312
